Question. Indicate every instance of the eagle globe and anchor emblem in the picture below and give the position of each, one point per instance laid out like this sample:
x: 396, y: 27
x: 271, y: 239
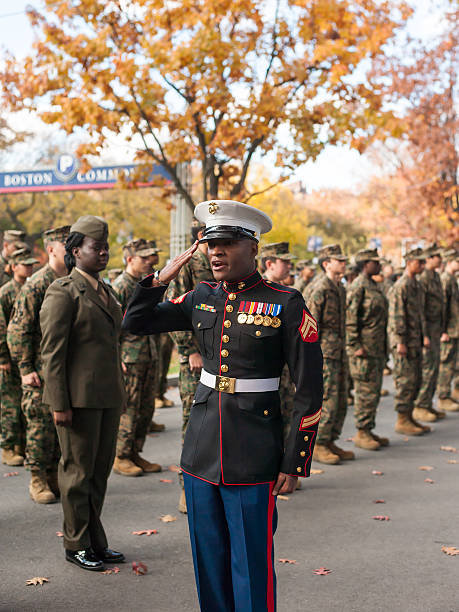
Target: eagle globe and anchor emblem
x: 67, y: 166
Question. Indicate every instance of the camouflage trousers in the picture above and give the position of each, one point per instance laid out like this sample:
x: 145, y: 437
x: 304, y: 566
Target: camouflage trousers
x: 430, y: 369
x: 334, y: 406
x: 188, y: 381
x: 42, y: 447
x: 287, y: 391
x: 164, y: 346
x: 448, y: 357
x: 407, y: 373
x: 12, y: 419
x: 139, y: 382
x: 367, y: 374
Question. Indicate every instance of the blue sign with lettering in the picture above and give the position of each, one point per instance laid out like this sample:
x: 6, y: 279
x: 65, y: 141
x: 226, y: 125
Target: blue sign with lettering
x: 67, y: 176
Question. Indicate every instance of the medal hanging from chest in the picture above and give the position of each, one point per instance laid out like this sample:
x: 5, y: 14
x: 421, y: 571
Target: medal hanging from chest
x: 259, y: 313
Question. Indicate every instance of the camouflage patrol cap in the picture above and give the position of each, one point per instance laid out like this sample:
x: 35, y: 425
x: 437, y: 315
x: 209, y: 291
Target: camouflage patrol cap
x: 415, y: 254
x: 57, y: 234
x: 91, y: 226
x: 23, y: 256
x: 332, y: 251
x: 152, y: 245
x: 114, y: 273
x: 12, y: 235
x: 367, y: 255
x: 433, y: 250
x: 449, y: 254
x: 304, y: 263
x: 277, y: 250
x: 140, y: 247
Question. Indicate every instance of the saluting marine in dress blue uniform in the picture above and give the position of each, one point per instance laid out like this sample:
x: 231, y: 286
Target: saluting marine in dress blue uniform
x: 233, y: 452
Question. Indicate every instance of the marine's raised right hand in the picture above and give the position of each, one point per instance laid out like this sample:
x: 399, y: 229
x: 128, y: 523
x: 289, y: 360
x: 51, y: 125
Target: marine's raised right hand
x: 171, y: 270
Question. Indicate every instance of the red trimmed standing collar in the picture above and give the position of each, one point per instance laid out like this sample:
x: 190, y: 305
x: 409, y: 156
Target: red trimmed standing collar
x: 243, y: 284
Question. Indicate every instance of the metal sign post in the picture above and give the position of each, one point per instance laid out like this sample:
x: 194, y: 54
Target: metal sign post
x: 181, y: 215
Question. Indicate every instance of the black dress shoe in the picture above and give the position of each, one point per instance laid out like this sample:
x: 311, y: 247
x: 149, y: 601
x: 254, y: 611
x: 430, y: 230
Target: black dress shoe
x: 107, y: 555
x: 86, y: 559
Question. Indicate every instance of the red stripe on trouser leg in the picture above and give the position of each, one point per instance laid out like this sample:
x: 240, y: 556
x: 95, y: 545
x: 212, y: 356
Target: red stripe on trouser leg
x: 269, y: 551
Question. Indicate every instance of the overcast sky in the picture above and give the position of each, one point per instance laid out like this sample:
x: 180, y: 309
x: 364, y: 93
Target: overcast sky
x: 335, y: 167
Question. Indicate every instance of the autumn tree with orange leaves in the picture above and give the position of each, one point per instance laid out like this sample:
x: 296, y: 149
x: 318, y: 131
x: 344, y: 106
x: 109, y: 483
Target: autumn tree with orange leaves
x: 217, y: 83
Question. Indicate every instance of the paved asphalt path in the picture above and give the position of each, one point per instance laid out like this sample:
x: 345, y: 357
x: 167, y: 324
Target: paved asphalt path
x: 376, y: 566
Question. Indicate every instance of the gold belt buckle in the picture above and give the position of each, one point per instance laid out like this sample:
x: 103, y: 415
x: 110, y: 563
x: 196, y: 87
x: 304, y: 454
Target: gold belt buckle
x: 225, y: 384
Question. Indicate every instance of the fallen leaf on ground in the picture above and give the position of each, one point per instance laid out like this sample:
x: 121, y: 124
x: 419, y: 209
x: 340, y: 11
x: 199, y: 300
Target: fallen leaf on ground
x: 139, y: 568
x: 37, y: 580
x: 147, y: 532
x: 452, y: 461
x: 174, y: 468
x: 112, y: 570
x: 322, y: 571
x: 425, y: 468
x: 448, y: 449
x: 377, y: 473
x: 286, y: 560
x: 285, y: 497
x: 167, y: 518
x: 429, y: 480
x: 452, y: 551
x: 314, y: 471
x: 379, y: 501
x: 165, y: 480
x: 405, y: 439
x: 59, y: 534
x: 8, y: 474
x: 380, y: 517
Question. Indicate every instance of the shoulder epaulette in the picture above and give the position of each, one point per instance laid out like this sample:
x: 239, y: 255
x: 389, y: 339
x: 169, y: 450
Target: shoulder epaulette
x: 279, y: 287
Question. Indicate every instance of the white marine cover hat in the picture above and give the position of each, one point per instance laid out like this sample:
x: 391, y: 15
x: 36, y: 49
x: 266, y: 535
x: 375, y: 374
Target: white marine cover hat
x: 231, y: 219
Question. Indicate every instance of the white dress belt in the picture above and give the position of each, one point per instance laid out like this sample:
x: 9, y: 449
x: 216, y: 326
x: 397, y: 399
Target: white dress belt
x: 239, y: 385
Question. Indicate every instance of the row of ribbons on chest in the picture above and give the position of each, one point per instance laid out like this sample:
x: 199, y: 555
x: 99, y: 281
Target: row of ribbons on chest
x: 256, y: 313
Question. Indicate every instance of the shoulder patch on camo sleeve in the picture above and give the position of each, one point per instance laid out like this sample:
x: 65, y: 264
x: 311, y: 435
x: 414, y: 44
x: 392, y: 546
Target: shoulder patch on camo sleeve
x: 308, y: 328
x: 179, y: 300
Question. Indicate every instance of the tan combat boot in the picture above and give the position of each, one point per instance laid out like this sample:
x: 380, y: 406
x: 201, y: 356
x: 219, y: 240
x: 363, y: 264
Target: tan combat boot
x: 438, y: 413
x: 455, y: 394
x: 405, y: 426
x: 364, y: 439
x: 422, y: 414
x: 10, y: 457
x: 126, y: 467
x: 145, y: 465
x: 156, y: 427
x: 448, y: 404
x: 384, y: 393
x: 182, y: 503
x: 382, y: 441
x: 387, y: 371
x: 167, y: 403
x: 323, y: 454
x: 425, y: 428
x: 158, y: 402
x: 344, y: 455
x: 39, y: 489
x: 53, y: 484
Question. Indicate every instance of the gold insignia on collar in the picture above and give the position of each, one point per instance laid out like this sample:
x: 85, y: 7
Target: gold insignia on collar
x: 213, y: 208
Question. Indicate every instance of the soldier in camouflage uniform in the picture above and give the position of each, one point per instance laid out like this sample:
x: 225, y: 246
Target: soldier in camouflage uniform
x: 13, y: 425
x: 406, y: 342
x: 327, y: 303
x: 192, y: 273
x: 139, y: 362
x: 11, y: 243
x: 24, y: 337
x: 433, y: 306
x: 450, y: 336
x: 306, y: 271
x: 113, y: 274
x: 275, y: 265
x: 366, y: 342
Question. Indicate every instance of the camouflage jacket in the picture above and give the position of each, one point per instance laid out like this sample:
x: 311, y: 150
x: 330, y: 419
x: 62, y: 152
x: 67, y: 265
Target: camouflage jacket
x: 196, y: 270
x: 366, y: 318
x: 451, y: 292
x: 307, y: 291
x: 134, y: 349
x: 300, y: 284
x: 405, y: 313
x: 433, y: 302
x: 386, y: 286
x: 327, y: 303
x: 4, y: 276
x: 24, y: 333
x: 8, y: 294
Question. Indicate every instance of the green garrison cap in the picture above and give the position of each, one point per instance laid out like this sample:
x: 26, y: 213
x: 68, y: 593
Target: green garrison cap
x: 57, y: 234
x: 91, y: 226
x: 367, y: 255
x: 23, y: 256
x: 415, y: 254
x: 13, y: 235
x: 333, y: 251
x: 278, y: 250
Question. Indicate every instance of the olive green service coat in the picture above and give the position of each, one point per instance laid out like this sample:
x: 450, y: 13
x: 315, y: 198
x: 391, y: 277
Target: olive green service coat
x: 82, y: 372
